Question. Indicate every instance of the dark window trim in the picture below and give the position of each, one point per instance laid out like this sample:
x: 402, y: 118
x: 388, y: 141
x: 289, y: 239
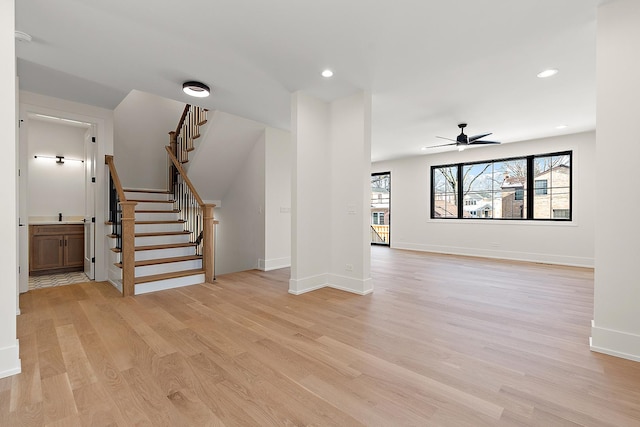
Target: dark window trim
x: 529, y: 194
x: 389, y: 224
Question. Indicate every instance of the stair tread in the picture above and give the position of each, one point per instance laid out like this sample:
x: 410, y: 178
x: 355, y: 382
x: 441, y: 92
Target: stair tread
x: 150, y: 201
x: 157, y: 233
x: 166, y: 221
x: 164, y: 276
x: 162, y: 261
x: 141, y: 190
x: 160, y: 211
x: 157, y: 247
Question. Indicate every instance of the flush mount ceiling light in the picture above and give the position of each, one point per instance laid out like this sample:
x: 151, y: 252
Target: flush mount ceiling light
x: 547, y: 73
x: 327, y: 73
x: 197, y: 89
x: 22, y: 36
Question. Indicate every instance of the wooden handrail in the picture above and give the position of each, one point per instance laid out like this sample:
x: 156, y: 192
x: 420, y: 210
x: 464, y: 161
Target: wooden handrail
x: 108, y: 160
x: 184, y: 115
x: 182, y: 172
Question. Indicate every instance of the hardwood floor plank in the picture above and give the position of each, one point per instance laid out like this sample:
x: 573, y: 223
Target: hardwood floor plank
x: 432, y: 346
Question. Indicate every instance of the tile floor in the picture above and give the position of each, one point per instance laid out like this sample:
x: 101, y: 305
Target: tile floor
x: 60, y: 279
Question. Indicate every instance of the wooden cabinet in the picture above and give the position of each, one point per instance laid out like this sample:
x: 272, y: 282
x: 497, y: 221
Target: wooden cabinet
x: 56, y: 248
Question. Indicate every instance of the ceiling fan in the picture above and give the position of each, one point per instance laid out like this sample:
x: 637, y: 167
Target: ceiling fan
x: 463, y: 141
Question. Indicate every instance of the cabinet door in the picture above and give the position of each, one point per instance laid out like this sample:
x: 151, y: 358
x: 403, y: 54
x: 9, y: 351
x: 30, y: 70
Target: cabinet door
x: 47, y: 252
x: 74, y: 250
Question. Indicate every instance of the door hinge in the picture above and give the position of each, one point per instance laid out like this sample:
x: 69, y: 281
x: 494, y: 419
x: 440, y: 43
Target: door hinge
x: 18, y: 269
x: 18, y: 172
x: 93, y: 179
x: 93, y: 219
x: 93, y: 139
x: 93, y: 260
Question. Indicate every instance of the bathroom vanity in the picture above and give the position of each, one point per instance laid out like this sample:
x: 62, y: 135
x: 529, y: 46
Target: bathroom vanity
x: 56, y: 247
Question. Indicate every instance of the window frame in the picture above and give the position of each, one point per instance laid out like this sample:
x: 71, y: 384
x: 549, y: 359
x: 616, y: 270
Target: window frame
x: 529, y: 193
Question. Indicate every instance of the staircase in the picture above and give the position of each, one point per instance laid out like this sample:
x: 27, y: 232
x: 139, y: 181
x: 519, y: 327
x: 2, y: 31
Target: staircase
x: 164, y: 255
x: 162, y: 239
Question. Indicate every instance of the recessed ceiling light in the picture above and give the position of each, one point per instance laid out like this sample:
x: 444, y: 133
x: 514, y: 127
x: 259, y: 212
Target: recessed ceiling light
x: 562, y: 126
x: 547, y: 73
x: 327, y: 73
x: 197, y: 89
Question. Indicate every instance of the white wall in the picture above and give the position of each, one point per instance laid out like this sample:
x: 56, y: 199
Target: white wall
x: 9, y: 354
x: 56, y: 188
x: 142, y: 124
x: 616, y: 327
x: 330, y: 194
x: 240, y: 235
x: 103, y: 121
x: 277, y: 210
x: 560, y: 243
x: 310, y: 193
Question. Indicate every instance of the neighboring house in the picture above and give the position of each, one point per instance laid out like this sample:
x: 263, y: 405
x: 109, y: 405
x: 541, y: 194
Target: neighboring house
x: 551, y: 197
x: 513, y: 200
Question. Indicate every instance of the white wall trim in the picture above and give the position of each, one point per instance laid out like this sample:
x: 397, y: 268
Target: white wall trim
x: 499, y: 254
x: 274, y: 263
x: 349, y: 284
x: 307, y: 284
x: 10, y: 363
x: 615, y: 343
x: 116, y: 284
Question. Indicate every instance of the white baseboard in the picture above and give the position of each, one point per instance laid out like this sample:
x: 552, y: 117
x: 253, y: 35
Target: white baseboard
x: 274, y: 263
x: 10, y: 360
x: 499, y: 254
x: 615, y: 343
x: 116, y: 284
x: 308, y: 284
x: 347, y: 284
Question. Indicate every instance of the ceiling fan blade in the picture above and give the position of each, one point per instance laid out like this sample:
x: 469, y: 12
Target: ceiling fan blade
x: 448, y: 139
x: 483, y: 142
x: 443, y: 145
x: 476, y: 137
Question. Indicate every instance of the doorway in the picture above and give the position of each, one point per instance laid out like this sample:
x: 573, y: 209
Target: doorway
x: 58, y: 159
x: 381, y: 208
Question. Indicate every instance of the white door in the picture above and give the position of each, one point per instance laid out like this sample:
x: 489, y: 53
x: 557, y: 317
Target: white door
x: 23, y: 214
x: 90, y: 203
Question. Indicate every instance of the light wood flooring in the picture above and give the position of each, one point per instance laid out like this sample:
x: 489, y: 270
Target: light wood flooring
x: 442, y: 341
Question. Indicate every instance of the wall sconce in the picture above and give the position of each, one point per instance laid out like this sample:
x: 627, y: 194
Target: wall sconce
x: 59, y: 159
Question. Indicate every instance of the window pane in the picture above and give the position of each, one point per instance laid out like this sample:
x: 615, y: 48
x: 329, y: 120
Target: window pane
x: 555, y: 172
x: 478, y: 190
x: 445, y: 189
x: 513, y: 186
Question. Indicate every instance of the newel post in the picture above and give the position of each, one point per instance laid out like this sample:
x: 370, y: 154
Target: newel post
x: 128, y: 253
x: 208, y: 249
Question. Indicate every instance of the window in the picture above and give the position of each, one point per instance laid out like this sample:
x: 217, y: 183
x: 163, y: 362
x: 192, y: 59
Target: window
x: 499, y: 188
x: 444, y: 190
x: 377, y: 218
x: 540, y: 186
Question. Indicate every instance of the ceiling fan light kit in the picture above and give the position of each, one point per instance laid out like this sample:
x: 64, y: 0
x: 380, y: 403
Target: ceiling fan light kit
x: 462, y: 141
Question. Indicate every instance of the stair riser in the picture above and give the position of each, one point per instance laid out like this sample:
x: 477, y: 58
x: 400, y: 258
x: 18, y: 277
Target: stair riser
x: 161, y: 240
x: 169, y: 216
x: 171, y: 267
x: 178, y: 282
x: 154, y: 206
x: 164, y: 253
x: 154, y: 228
x: 146, y: 196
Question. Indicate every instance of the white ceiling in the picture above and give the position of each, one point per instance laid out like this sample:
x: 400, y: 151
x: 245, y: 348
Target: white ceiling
x: 429, y: 64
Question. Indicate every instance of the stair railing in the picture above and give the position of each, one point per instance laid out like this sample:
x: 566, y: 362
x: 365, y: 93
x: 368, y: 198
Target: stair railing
x: 197, y: 215
x: 188, y: 130
x: 122, y: 218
